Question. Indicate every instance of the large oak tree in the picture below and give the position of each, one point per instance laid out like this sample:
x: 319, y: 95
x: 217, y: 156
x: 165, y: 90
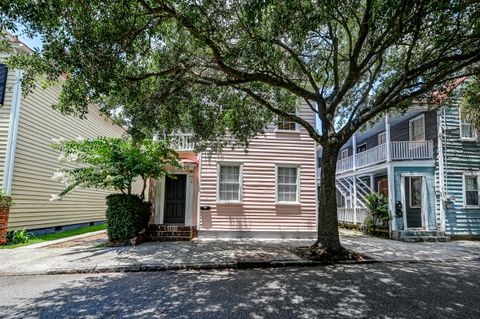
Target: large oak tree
x: 230, y: 67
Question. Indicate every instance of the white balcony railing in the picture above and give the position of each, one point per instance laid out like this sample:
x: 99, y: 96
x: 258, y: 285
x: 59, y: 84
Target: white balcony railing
x: 345, y: 165
x: 183, y: 142
x: 372, y: 156
x: 402, y: 150
x: 412, y: 150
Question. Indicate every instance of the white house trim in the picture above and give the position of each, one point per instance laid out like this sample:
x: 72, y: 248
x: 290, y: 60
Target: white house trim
x: 464, y: 188
x: 297, y: 166
x: 240, y: 188
x: 423, y: 207
x: 12, y: 133
x: 421, y: 116
x: 189, y: 198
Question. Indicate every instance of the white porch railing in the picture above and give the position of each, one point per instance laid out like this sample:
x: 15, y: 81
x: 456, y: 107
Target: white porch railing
x: 401, y: 150
x: 372, y: 156
x: 345, y: 165
x: 412, y: 150
x: 183, y: 142
x: 348, y: 216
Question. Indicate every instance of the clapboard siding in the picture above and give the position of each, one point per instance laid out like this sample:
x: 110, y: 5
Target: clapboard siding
x: 401, y: 132
x: 460, y: 157
x: 5, y: 120
x: 36, y: 161
x: 259, y: 211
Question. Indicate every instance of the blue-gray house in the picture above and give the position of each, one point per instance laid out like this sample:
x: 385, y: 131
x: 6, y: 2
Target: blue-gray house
x: 426, y: 161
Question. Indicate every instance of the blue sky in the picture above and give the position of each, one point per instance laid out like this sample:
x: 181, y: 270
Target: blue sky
x: 32, y: 43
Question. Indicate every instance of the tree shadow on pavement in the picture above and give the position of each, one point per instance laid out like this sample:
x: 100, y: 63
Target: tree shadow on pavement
x: 400, y: 290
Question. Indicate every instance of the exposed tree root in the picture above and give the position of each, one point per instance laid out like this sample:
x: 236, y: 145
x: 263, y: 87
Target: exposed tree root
x: 320, y: 254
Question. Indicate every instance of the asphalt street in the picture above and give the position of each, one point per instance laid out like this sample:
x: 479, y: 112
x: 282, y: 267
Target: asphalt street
x: 390, y: 290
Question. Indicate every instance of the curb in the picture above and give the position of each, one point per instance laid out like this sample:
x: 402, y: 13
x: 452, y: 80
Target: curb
x: 251, y: 264
x: 187, y: 266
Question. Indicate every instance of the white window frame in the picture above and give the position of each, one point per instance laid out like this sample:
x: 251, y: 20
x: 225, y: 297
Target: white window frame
x: 297, y: 113
x: 410, y: 128
x: 359, y: 145
x: 410, y: 192
x: 384, y: 135
x: 277, y: 166
x: 343, y: 152
x: 462, y: 122
x: 464, y: 188
x: 240, y: 188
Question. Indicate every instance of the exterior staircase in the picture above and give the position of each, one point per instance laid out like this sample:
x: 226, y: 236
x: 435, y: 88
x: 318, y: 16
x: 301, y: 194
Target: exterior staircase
x: 170, y: 233
x: 416, y: 236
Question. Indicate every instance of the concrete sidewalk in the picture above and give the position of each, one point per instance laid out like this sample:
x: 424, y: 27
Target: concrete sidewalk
x: 82, y: 255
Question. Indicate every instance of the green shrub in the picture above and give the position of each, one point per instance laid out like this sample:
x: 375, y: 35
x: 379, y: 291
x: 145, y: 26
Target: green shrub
x: 377, y: 205
x: 127, y: 216
x: 18, y: 237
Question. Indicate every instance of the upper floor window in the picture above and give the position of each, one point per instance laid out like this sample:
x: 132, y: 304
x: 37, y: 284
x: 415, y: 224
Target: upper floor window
x: 343, y: 154
x: 472, y: 189
x: 288, y: 184
x: 284, y: 124
x: 467, y: 130
x: 229, y: 183
x: 3, y: 82
x: 362, y: 148
x: 382, y: 138
x: 417, y: 128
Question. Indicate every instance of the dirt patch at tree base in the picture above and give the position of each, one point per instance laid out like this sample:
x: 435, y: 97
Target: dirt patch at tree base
x: 319, y: 255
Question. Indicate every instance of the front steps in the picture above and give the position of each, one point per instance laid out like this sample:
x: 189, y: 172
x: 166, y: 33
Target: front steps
x: 170, y: 233
x: 417, y: 236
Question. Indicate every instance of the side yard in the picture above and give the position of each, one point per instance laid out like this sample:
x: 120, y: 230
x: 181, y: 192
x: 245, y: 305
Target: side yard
x: 55, y: 236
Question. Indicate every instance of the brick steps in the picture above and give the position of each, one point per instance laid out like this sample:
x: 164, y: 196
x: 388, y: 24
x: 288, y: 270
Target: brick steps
x: 170, y: 233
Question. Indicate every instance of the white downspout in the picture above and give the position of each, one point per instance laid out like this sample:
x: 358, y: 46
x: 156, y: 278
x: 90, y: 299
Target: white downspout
x: 12, y: 133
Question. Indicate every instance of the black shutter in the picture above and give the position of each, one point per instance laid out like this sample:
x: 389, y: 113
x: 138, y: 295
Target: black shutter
x: 3, y: 82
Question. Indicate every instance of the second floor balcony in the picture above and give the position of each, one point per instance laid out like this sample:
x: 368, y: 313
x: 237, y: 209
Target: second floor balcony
x: 398, y: 150
x: 405, y: 137
x: 183, y: 142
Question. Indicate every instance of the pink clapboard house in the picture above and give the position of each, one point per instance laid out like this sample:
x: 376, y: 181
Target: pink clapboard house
x: 268, y: 191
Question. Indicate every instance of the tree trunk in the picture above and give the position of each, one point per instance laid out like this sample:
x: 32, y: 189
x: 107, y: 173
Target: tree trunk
x: 328, y: 239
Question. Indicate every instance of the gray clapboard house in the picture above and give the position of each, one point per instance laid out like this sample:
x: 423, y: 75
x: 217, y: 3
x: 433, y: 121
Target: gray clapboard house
x: 426, y: 161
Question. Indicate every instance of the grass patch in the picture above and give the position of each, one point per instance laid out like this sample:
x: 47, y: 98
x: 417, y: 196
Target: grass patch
x: 59, y: 235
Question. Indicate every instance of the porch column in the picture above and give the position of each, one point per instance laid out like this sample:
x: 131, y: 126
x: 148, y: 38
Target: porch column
x: 372, y: 182
x: 354, y: 152
x: 388, y: 138
x: 355, y: 199
x: 391, y: 196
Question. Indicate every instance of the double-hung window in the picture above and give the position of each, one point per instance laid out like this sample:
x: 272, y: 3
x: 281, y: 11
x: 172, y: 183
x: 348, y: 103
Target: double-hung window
x: 417, y: 129
x: 472, y: 190
x: 467, y: 130
x: 382, y: 138
x: 284, y: 124
x: 288, y: 184
x: 229, y: 183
